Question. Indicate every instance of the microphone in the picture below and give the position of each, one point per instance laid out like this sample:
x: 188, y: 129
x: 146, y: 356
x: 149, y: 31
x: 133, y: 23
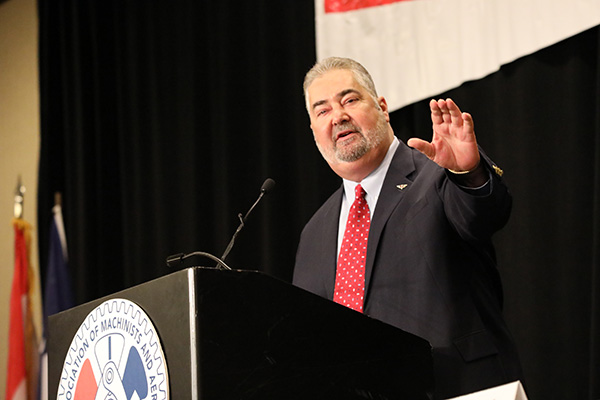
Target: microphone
x: 177, y: 259
x: 266, y: 187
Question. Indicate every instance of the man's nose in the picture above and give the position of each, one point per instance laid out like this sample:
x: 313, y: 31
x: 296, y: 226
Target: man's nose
x: 339, y: 116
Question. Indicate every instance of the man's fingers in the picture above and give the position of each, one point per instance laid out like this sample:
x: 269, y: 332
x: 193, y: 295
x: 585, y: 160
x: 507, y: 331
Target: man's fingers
x: 436, y: 112
x: 422, y: 145
x: 445, y: 109
x: 469, y: 125
x: 446, y: 112
x: 455, y: 113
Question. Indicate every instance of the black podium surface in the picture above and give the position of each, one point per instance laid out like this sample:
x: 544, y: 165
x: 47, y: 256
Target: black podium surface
x: 246, y: 335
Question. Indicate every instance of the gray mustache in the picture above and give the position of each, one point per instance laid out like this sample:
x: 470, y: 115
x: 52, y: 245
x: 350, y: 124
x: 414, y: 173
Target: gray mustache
x: 345, y: 126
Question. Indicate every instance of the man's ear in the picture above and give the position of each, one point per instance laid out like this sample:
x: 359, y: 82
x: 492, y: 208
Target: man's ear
x: 384, y: 107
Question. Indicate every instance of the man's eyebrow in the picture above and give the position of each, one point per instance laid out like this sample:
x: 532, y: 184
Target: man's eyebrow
x: 339, y: 95
x: 318, y: 103
x: 346, y: 91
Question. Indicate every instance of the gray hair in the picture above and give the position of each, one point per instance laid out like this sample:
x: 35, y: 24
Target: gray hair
x: 360, y: 73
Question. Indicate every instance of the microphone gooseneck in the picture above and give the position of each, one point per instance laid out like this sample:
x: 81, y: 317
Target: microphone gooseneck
x: 266, y: 187
x: 176, y: 260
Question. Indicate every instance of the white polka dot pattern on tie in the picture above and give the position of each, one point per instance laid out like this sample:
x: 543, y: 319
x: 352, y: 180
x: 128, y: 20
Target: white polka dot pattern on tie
x: 350, y: 273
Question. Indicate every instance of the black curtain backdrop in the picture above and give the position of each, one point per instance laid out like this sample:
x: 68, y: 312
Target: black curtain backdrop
x: 161, y: 120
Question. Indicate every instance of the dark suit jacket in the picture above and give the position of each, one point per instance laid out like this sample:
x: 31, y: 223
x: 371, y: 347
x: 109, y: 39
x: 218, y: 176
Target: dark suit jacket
x: 430, y: 270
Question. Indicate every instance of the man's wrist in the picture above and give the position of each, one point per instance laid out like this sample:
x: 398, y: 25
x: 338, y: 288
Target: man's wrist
x: 474, y: 178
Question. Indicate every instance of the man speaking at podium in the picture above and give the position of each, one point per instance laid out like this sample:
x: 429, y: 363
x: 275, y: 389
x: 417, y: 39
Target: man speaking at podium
x: 407, y: 238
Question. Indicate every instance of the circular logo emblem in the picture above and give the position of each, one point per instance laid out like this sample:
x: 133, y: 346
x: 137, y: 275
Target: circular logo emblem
x: 115, y: 355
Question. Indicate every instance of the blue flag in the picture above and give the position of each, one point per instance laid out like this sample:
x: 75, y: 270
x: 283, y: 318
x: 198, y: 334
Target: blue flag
x: 58, y: 293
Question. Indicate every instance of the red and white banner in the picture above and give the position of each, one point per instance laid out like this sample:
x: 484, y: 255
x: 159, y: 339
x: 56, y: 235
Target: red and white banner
x: 415, y: 49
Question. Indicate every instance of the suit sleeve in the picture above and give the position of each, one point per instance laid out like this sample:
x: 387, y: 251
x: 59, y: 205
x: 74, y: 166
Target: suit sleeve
x: 476, y: 217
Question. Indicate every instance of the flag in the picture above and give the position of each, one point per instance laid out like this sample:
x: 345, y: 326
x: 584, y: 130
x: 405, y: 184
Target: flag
x: 58, y: 292
x: 23, y: 356
x: 415, y: 49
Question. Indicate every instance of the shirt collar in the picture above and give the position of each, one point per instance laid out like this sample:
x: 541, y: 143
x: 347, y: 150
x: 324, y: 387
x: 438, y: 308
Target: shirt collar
x: 373, y: 183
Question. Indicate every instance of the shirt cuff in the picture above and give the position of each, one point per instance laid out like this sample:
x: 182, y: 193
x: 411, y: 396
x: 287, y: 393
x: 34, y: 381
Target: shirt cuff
x: 482, y: 190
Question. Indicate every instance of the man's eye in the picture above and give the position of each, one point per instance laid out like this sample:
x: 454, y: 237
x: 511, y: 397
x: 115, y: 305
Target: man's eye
x: 351, y: 100
x: 321, y: 112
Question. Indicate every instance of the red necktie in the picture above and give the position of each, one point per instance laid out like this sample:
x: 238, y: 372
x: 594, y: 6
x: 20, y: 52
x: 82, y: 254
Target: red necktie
x: 350, y: 274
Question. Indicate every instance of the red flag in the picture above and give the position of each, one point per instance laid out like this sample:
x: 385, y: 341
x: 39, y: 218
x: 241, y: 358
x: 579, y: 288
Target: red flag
x: 22, y: 371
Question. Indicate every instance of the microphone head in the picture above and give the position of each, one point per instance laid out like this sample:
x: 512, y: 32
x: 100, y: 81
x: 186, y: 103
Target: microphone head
x: 175, y: 260
x: 267, y: 186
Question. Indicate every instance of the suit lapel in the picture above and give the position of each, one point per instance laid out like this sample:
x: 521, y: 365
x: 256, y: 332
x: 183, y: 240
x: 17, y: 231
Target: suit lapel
x: 329, y: 236
x: 396, y: 183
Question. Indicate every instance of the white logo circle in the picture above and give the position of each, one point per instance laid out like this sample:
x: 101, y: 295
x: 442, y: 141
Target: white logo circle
x: 116, y: 354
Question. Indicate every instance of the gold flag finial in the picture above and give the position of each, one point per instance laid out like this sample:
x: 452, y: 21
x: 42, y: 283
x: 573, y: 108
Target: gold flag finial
x: 19, y: 199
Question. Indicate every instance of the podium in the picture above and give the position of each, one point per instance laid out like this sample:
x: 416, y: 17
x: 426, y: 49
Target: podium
x: 234, y: 335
